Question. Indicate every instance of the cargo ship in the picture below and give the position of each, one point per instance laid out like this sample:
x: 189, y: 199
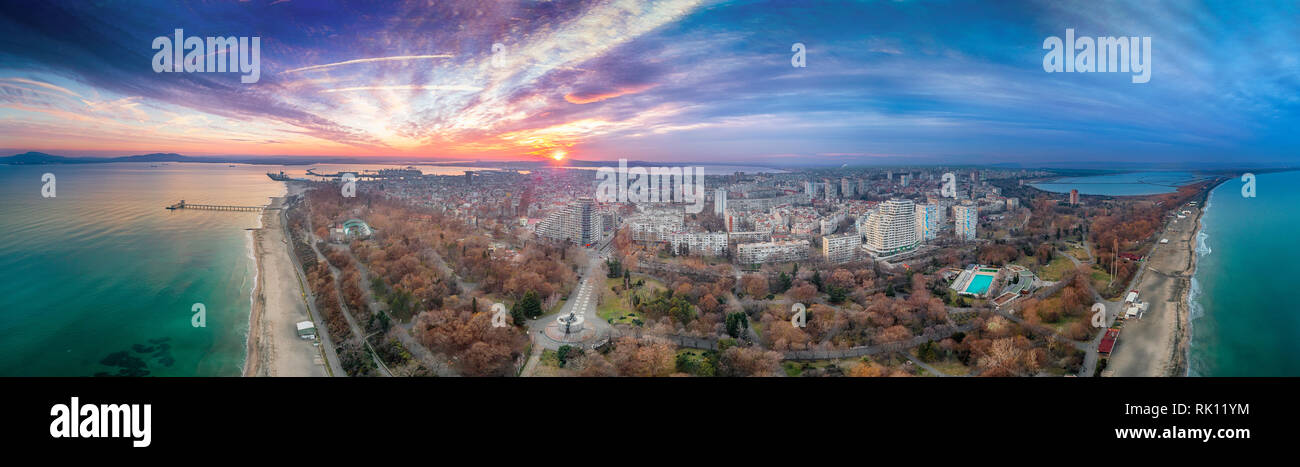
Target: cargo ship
x: 280, y: 177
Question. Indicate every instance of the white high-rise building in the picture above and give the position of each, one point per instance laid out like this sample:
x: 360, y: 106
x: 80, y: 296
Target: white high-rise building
x: 578, y: 222
x: 892, y: 228
x: 927, y: 221
x: 967, y: 218
x: 720, y: 201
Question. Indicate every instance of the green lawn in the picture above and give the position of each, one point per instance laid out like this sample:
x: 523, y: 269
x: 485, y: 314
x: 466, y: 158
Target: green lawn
x: 549, y: 358
x: 949, y: 366
x: 1100, y: 280
x: 612, y: 307
x: 1056, y: 269
x: 650, y: 282
x: 793, y: 368
x: 697, y: 356
x: 1062, y: 326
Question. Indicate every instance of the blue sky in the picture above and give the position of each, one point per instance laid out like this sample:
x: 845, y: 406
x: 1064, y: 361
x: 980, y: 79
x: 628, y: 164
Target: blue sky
x: 918, y: 82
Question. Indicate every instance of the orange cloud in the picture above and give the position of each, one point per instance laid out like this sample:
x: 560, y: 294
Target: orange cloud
x: 587, y: 98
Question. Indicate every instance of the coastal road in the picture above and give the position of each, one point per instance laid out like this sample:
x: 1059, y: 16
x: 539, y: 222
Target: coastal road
x: 343, y: 304
x: 326, y: 346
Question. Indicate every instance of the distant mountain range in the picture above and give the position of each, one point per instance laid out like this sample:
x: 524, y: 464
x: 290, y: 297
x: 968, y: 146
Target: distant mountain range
x: 40, y: 158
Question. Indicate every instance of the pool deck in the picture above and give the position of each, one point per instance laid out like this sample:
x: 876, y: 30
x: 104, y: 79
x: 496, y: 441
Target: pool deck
x: 973, y: 277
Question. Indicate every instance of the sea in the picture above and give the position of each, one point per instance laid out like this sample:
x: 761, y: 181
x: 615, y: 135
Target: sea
x: 1245, y: 321
x: 1121, y: 184
x: 101, y: 279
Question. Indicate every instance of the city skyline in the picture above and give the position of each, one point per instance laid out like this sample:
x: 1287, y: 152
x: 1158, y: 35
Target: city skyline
x: 669, y: 81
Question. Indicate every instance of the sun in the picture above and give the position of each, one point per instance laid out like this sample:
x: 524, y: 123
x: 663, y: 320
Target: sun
x: 558, y: 154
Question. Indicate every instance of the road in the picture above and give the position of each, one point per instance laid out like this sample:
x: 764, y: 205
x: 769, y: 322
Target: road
x: 918, y: 362
x: 434, y: 363
x: 582, y: 302
x: 343, y: 304
x: 322, y: 331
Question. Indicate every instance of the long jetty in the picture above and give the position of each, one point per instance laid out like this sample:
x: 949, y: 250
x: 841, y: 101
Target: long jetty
x: 215, y: 207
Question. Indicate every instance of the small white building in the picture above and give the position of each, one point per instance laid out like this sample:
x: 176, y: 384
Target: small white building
x: 307, y: 330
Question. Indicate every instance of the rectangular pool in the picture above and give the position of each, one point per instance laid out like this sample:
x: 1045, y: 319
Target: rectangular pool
x: 979, y: 284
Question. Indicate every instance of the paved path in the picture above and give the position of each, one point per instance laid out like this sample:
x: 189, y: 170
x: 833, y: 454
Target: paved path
x: 326, y: 346
x: 918, y: 362
x: 343, y: 305
x: 581, y: 302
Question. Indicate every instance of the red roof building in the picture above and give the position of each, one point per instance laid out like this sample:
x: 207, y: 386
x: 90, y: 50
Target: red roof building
x: 1108, y: 341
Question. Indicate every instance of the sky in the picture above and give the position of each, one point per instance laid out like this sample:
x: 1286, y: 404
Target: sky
x: 919, y: 82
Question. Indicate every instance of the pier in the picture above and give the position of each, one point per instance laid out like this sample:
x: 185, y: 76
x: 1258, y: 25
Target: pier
x: 216, y: 207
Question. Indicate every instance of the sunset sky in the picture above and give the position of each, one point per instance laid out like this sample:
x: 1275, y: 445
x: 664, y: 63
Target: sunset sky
x: 674, y: 80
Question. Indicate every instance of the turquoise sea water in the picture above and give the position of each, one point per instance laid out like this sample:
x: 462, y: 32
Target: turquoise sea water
x: 1245, y: 315
x: 1122, y: 184
x: 102, y: 279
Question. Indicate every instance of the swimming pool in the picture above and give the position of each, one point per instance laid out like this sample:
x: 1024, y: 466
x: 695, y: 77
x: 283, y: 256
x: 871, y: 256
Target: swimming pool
x: 979, y: 284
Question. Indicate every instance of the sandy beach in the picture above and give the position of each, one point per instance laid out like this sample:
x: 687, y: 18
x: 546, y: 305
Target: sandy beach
x: 274, y: 348
x: 1156, y: 344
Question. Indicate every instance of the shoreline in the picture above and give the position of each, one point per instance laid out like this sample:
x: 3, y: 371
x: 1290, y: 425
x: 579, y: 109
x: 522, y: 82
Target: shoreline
x: 251, y: 250
x: 252, y: 359
x: 1157, y: 344
x: 273, y: 345
x: 1185, y: 348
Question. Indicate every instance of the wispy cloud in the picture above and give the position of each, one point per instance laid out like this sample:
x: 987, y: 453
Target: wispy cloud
x: 669, y: 80
x: 406, y: 87
x: 398, y: 58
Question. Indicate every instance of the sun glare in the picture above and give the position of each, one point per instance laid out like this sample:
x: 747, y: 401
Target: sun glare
x: 558, y: 155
